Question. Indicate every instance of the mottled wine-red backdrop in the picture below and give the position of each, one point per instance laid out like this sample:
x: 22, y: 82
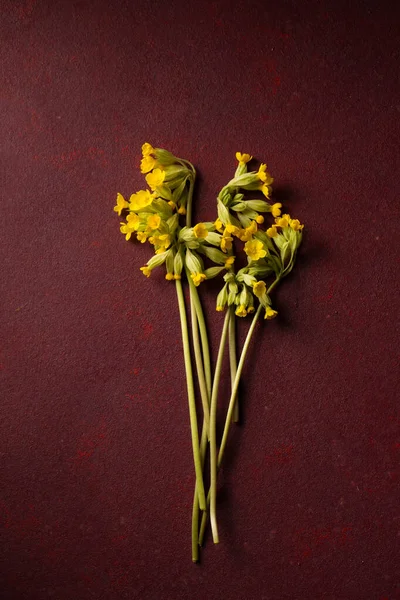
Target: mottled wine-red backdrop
x: 96, y: 466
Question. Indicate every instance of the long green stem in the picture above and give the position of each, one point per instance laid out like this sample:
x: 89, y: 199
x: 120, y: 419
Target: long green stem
x: 233, y: 360
x: 213, y: 431
x: 191, y: 396
x: 232, y: 403
x: 196, y: 319
x: 195, y: 510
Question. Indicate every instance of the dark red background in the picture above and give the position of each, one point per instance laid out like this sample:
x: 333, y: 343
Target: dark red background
x: 97, y: 477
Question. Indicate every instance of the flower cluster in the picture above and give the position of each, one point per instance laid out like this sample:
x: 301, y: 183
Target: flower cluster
x: 269, y: 252
x: 255, y: 227
x: 153, y: 216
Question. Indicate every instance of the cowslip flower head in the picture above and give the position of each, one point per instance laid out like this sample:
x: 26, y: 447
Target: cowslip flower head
x: 121, y: 204
x: 147, y: 149
x: 243, y: 158
x: 265, y: 189
x: 282, y: 221
x: 146, y: 271
x: 276, y: 209
x: 153, y: 222
x: 272, y: 231
x: 219, y: 226
x: 131, y: 225
x: 147, y: 164
x: 255, y: 249
x: 246, y: 234
x: 259, y: 289
x: 200, y: 231
x: 198, y: 278
x: 155, y: 178
x: 140, y: 200
x: 295, y: 224
x: 226, y: 243
x: 270, y: 313
x: 241, y: 311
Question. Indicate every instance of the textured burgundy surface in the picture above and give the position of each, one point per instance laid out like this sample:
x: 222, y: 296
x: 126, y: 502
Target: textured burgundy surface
x: 96, y: 474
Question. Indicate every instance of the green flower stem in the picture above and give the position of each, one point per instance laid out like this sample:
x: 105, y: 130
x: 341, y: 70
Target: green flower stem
x: 196, y: 508
x: 233, y: 360
x: 203, y: 335
x: 213, y: 431
x: 232, y: 403
x: 199, y: 366
x: 191, y: 396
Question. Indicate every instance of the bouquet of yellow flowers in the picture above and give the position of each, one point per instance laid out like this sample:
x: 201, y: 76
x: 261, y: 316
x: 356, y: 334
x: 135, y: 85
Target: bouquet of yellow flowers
x: 162, y: 216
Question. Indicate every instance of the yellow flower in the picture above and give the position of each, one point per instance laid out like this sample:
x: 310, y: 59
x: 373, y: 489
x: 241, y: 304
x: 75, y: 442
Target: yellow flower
x: 155, y: 178
x: 153, y: 222
x: 264, y: 176
x: 162, y: 241
x: 241, y: 311
x: 265, y: 189
x: 147, y: 164
x: 295, y: 224
x: 255, y: 249
x: 169, y: 277
x: 182, y: 210
x: 147, y: 149
x: 226, y: 243
x: 146, y: 271
x: 259, y: 288
x: 220, y: 308
x: 219, y: 226
x: 131, y: 225
x: 142, y: 236
x: 272, y: 231
x: 198, y: 278
x: 243, y: 158
x: 259, y: 219
x: 282, y: 221
x: 200, y: 231
x: 229, y: 262
x: 140, y: 200
x: 246, y: 234
x: 276, y: 209
x: 270, y: 313
x: 177, y: 276
x: 231, y: 229
x: 172, y: 204
x: 121, y: 204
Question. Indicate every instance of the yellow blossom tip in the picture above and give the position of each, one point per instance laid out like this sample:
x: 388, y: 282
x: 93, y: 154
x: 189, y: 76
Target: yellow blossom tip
x: 169, y: 277
x: 147, y: 149
x: 197, y: 278
x: 270, y: 313
x: 272, y: 231
x: 241, y: 311
x: 219, y: 308
x: 276, y: 209
x: 255, y: 249
x: 200, y: 231
x: 146, y: 271
x: 259, y: 288
x: 243, y: 158
x: 182, y: 210
x: 260, y: 219
x: 155, y: 178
